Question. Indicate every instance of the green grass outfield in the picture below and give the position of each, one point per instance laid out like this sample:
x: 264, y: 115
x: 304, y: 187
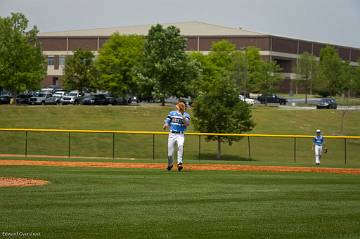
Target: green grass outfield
x: 147, y: 203
x: 150, y: 118
x: 153, y: 203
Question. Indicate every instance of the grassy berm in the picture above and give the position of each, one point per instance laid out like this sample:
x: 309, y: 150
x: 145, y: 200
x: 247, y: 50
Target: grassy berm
x: 269, y: 120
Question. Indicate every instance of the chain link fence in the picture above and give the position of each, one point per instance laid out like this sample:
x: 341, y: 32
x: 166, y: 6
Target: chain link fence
x: 342, y: 150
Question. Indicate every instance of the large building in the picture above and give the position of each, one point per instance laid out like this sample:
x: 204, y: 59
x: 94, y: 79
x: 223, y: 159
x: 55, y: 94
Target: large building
x: 200, y: 36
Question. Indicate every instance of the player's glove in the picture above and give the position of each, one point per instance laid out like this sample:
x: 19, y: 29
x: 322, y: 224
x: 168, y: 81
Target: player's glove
x: 325, y: 150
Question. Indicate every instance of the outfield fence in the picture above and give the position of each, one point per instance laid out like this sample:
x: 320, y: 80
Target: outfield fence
x: 147, y: 144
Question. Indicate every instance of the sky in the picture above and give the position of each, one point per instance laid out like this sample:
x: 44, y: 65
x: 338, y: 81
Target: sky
x: 329, y: 21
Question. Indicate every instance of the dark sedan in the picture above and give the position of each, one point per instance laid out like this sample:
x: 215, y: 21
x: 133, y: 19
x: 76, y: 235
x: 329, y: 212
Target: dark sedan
x: 99, y: 99
x: 327, y: 103
x: 272, y: 99
x: 5, y: 99
x: 23, y: 99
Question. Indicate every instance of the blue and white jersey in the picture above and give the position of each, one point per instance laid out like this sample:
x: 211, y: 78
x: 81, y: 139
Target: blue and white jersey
x: 318, y: 140
x: 176, y: 121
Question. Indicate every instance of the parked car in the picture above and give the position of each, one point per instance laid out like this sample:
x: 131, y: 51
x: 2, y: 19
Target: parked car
x: 5, y: 99
x: 74, y: 93
x: 23, y: 98
x: 58, y: 95
x: 111, y: 100
x: 55, y: 88
x: 52, y: 89
x: 133, y: 100
x: 69, y: 99
x: 47, y: 90
x: 247, y: 100
x: 51, y: 100
x: 274, y: 99
x: 327, y: 103
x: 39, y: 98
x: 98, y: 99
x: 121, y: 101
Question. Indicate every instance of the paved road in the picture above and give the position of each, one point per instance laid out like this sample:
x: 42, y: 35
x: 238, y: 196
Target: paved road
x: 289, y: 107
x: 313, y: 101
x: 302, y: 100
x: 356, y: 107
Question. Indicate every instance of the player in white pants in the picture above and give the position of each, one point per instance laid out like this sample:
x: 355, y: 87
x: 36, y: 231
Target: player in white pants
x: 176, y: 121
x: 318, y: 143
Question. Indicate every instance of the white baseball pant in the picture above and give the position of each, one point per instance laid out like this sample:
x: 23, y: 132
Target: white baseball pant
x: 318, y: 153
x: 172, y: 140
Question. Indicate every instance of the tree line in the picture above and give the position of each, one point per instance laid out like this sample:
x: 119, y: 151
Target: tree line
x: 328, y: 75
x: 157, y: 66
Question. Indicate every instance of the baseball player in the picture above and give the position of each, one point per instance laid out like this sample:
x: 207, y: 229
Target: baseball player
x: 176, y: 121
x: 318, y: 144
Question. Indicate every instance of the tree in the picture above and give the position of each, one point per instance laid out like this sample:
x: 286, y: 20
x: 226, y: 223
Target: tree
x: 219, y: 110
x: 348, y: 78
x: 166, y: 66
x: 328, y: 80
x: 253, y: 64
x: 207, y: 71
x: 230, y: 63
x: 221, y: 54
x: 191, y: 73
x: 254, y: 74
x: 267, y: 77
x: 245, y: 68
x: 79, y: 71
x: 116, y: 64
x: 239, y: 71
x: 307, y: 68
x: 21, y: 61
x: 217, y: 106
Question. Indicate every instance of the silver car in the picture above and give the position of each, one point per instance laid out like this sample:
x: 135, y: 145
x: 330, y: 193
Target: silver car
x: 69, y: 99
x: 41, y: 98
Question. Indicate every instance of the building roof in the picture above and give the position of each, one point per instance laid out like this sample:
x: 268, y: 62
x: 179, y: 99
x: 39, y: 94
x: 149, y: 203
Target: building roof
x: 192, y: 28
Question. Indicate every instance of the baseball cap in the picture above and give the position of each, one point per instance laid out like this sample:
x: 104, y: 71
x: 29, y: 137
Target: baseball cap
x: 318, y: 131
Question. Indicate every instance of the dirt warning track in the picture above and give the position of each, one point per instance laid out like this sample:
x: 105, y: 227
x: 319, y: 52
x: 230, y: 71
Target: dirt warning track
x: 187, y: 167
